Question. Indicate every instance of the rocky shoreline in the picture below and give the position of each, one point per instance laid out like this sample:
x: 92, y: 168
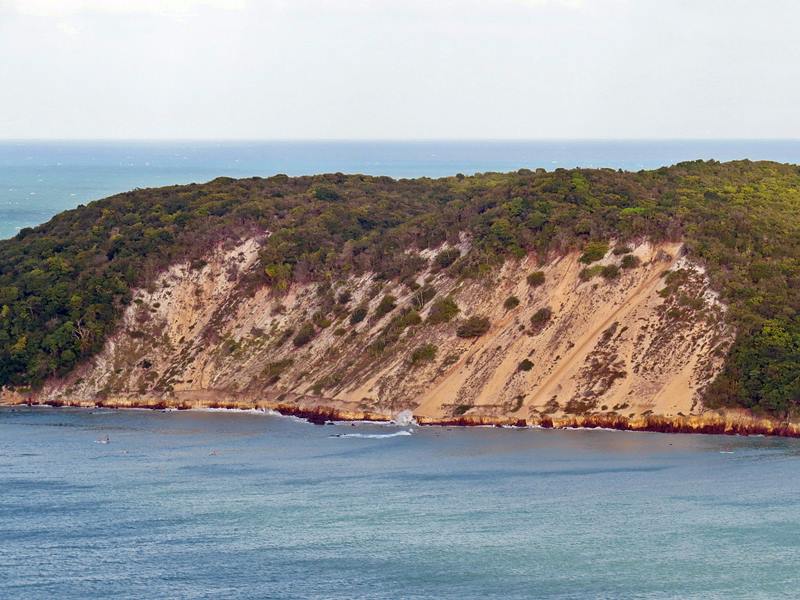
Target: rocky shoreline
x: 709, y: 423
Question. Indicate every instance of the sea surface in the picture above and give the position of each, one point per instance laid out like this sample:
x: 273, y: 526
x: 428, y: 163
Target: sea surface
x: 242, y: 505
x: 40, y: 179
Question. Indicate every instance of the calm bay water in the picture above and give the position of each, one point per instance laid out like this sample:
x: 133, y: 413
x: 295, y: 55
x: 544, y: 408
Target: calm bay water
x: 221, y: 505
x: 38, y: 180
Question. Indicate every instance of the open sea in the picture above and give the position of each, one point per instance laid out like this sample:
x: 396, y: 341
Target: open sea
x: 226, y: 505
x: 243, y: 505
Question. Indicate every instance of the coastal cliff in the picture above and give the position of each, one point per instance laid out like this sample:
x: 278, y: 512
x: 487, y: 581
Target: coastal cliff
x: 657, y: 300
x: 630, y: 346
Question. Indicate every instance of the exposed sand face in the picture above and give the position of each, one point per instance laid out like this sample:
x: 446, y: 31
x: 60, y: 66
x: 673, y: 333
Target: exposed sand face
x: 609, y: 347
x: 621, y: 347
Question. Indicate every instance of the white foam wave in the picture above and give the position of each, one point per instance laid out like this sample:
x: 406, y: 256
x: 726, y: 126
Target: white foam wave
x: 251, y: 411
x: 373, y: 436
x: 264, y: 412
x: 404, y: 418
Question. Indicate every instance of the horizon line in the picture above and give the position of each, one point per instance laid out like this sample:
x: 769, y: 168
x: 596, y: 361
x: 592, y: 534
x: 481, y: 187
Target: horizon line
x: 391, y: 140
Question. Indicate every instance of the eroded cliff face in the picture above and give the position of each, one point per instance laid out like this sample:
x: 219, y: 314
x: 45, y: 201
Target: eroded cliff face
x: 640, y: 345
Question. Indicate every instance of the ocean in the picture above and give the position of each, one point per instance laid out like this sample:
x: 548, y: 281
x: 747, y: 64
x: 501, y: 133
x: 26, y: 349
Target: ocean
x: 40, y: 179
x: 243, y: 505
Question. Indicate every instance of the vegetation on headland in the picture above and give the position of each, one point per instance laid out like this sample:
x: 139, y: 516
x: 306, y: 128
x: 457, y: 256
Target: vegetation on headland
x: 64, y: 284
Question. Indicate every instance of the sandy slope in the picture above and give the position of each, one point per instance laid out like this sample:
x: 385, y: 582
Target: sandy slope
x: 609, y: 347
x: 202, y: 336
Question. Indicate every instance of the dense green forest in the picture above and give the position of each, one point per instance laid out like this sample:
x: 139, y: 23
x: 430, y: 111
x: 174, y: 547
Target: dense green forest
x: 64, y: 284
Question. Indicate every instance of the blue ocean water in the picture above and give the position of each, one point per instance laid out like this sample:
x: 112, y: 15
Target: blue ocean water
x: 221, y: 505
x: 40, y: 179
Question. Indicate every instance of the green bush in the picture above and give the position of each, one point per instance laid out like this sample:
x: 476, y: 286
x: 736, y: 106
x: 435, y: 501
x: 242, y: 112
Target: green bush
x: 541, y: 317
x: 536, y: 279
x: 423, y: 354
x: 511, y: 302
x: 620, y: 250
x: 447, y: 257
x: 423, y: 295
x: 359, y: 314
x: 278, y: 276
x: 524, y: 365
x: 473, y: 327
x: 387, y: 304
x: 407, y: 318
x: 610, y: 272
x: 442, y: 311
x: 630, y: 261
x: 305, y: 334
x: 593, y: 252
x: 321, y: 320
x: 589, y: 272
x: 326, y: 194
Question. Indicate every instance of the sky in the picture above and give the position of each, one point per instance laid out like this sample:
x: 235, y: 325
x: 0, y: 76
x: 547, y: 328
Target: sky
x: 399, y: 69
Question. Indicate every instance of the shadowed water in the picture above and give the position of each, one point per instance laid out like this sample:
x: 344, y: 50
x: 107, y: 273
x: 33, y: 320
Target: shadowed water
x: 221, y: 505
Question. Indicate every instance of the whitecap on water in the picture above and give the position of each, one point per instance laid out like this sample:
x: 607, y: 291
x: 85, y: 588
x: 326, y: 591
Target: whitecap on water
x: 404, y: 418
x: 373, y: 436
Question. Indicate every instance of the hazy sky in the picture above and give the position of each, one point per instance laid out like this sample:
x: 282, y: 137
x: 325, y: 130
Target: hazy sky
x: 399, y: 69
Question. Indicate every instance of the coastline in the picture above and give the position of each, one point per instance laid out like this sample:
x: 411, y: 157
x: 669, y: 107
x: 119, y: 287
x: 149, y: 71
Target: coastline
x: 708, y: 423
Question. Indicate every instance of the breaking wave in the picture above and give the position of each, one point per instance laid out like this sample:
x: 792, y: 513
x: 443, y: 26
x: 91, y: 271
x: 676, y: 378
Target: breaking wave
x: 373, y: 436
